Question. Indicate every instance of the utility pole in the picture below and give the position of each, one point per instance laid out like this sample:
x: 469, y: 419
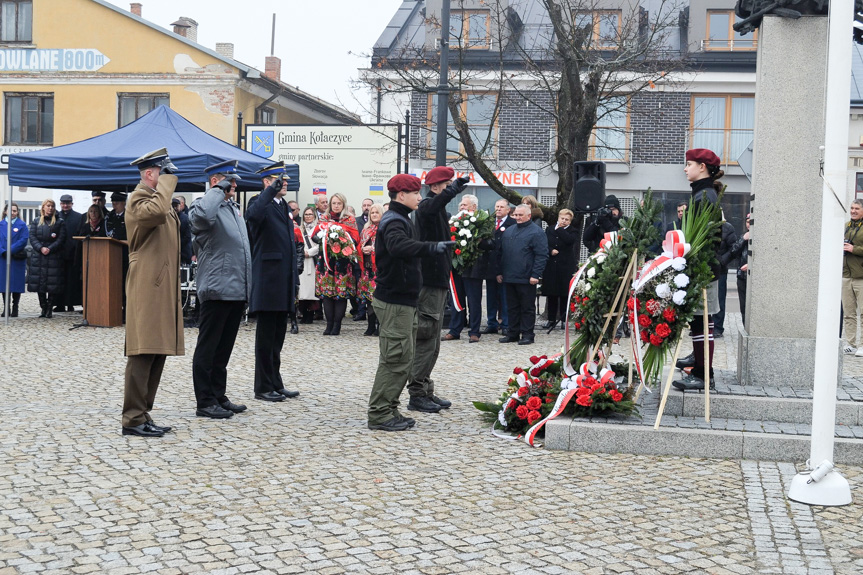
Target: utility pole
x: 443, y: 86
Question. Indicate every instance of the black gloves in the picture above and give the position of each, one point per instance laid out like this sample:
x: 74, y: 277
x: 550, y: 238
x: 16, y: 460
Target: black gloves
x: 442, y: 247
x: 224, y: 185
x: 167, y: 166
x: 459, y: 185
x: 277, y: 185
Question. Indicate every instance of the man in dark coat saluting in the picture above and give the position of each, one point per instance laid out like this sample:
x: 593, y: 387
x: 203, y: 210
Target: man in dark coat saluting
x: 274, y: 269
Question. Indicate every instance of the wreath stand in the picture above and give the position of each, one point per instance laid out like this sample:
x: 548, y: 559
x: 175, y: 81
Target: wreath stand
x: 706, y: 368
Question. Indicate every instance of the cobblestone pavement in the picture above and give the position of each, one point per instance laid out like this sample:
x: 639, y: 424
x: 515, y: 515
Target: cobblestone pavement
x: 304, y: 487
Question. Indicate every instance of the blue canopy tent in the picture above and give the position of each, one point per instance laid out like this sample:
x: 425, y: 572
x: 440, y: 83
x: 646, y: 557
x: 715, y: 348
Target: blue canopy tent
x: 102, y: 162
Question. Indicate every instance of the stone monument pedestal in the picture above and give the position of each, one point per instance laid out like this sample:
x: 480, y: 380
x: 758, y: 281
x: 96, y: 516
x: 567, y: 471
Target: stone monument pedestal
x: 778, y: 346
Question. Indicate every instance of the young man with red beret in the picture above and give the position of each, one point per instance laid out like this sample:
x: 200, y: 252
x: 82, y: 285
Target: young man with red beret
x: 399, y: 277
x: 703, y: 172
x: 433, y: 226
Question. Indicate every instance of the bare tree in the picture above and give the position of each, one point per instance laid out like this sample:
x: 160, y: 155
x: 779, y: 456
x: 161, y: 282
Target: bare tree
x: 578, y: 61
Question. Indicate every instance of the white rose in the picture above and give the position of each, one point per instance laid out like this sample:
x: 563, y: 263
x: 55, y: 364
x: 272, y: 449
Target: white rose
x: 591, y: 272
x: 334, y: 235
x: 679, y: 297
x: 681, y: 280
x: 461, y: 232
x: 466, y: 223
x: 679, y: 264
x: 663, y: 291
x: 473, y: 219
x: 600, y: 259
x: 586, y: 287
x: 464, y: 242
x: 468, y: 233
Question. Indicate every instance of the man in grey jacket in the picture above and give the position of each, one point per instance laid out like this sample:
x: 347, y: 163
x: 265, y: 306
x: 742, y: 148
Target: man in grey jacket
x: 224, y: 284
x: 523, y: 253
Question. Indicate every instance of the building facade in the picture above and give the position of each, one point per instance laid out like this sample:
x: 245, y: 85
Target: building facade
x: 75, y: 69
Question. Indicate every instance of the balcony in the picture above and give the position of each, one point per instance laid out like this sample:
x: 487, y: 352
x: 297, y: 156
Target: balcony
x: 749, y: 45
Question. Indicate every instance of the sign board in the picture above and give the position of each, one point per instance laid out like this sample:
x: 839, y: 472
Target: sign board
x: 356, y: 161
x: 52, y: 60
x: 5, y: 151
x: 511, y: 179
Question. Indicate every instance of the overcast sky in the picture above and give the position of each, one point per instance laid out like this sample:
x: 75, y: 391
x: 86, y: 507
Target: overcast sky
x: 313, y: 38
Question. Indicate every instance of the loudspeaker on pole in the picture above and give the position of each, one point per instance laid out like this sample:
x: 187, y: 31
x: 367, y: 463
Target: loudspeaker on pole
x: 588, y: 193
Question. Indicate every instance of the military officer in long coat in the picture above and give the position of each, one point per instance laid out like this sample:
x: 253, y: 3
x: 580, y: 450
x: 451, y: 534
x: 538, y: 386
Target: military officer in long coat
x: 154, y: 316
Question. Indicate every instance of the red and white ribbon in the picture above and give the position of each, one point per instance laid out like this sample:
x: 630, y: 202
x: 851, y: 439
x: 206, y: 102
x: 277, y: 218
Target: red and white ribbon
x: 454, y: 293
x: 674, y: 246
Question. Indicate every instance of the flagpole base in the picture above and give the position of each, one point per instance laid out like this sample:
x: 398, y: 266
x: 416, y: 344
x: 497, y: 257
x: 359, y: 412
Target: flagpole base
x: 831, y: 491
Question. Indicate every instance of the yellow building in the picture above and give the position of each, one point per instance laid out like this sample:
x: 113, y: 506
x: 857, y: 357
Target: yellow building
x: 73, y: 69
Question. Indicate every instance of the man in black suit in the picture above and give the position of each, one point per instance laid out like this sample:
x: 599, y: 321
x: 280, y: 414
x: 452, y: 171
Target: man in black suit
x: 274, y: 269
x: 495, y: 292
x: 72, y: 273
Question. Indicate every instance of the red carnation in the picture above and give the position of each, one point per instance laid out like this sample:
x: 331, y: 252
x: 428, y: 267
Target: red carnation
x: 336, y: 248
x: 584, y: 300
x: 452, y: 238
x: 655, y: 340
x: 572, y: 307
x: 453, y: 229
x: 577, y: 325
x: 582, y: 391
x: 457, y: 251
x: 631, y: 304
x: 589, y: 381
x: 663, y: 331
x: 644, y: 321
x: 615, y: 395
x: 348, y: 251
x: 521, y: 412
x: 533, y: 416
x: 644, y: 336
x: 550, y: 398
x: 534, y: 403
x: 522, y: 391
x: 584, y: 401
x: 668, y: 314
x: 517, y: 370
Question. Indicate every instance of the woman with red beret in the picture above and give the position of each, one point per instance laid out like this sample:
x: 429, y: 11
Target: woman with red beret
x: 703, y: 172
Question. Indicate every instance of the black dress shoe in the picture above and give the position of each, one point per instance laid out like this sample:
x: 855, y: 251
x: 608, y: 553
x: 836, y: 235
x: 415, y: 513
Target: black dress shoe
x: 59, y: 308
x: 288, y: 393
x: 507, y: 339
x: 234, y: 407
x: 359, y: 317
x: 162, y: 428
x: 688, y: 361
x: 526, y: 341
x: 214, y: 412
x: 489, y: 330
x: 143, y: 430
x: 270, y: 396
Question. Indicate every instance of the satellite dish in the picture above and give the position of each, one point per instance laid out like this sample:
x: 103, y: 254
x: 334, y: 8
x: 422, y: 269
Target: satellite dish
x: 744, y: 160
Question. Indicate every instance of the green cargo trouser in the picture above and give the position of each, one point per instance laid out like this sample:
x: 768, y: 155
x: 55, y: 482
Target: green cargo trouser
x: 430, y: 307
x: 398, y: 332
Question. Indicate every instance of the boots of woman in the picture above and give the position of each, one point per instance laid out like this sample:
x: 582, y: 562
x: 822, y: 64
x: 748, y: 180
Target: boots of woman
x: 370, y: 316
x: 329, y: 313
x: 42, y: 298
x: 16, y: 297
x: 340, y: 307
x: 49, y: 301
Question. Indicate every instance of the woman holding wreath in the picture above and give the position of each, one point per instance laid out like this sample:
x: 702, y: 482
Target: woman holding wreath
x: 334, y: 279
x: 366, y: 286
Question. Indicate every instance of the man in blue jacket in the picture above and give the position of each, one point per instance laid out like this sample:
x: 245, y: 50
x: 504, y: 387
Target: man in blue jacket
x: 523, y: 253
x: 274, y: 266
x: 223, y: 288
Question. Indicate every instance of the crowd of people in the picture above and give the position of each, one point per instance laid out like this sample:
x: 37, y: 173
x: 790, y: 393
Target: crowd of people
x: 272, y: 262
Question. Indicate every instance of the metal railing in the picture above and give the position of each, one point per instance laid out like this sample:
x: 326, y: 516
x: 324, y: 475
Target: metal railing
x: 748, y: 45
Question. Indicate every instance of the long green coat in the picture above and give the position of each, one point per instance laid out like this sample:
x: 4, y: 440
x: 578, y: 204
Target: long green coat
x: 154, y: 314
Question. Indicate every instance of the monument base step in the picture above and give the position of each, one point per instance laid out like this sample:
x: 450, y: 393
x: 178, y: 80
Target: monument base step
x: 684, y: 436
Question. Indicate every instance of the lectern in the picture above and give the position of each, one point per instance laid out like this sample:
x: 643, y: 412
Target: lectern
x: 102, y: 274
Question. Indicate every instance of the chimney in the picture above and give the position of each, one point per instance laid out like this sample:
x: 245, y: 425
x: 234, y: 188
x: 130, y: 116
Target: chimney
x: 187, y: 28
x: 181, y: 28
x: 225, y: 49
x: 273, y: 68
x: 135, y: 8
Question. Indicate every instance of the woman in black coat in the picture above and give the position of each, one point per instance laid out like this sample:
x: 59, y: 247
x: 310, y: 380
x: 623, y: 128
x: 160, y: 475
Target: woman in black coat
x: 562, y: 261
x: 46, y: 275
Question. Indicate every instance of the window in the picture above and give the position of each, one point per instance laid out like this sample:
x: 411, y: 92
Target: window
x: 267, y: 116
x: 470, y: 29
x: 721, y: 35
x: 478, y: 109
x: 133, y: 106
x: 723, y: 124
x: 604, y: 27
x: 29, y: 119
x: 16, y: 20
x: 610, y: 138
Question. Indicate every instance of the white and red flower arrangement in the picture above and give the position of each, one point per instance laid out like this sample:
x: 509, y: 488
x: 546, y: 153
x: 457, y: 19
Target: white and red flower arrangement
x: 337, y: 244
x: 467, y: 230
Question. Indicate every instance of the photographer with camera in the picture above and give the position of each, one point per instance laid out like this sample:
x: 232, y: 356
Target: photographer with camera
x: 223, y: 287
x: 607, y: 219
x: 433, y: 225
x: 154, y: 314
